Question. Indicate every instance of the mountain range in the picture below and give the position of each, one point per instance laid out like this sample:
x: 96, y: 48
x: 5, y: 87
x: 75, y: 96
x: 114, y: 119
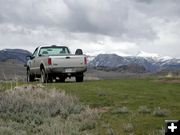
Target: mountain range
x: 137, y: 63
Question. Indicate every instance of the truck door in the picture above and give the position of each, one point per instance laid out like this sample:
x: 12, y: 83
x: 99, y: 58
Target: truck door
x: 33, y: 67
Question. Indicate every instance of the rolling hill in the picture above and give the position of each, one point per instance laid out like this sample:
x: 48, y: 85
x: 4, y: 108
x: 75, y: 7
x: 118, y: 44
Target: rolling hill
x: 17, y: 54
x: 12, y: 64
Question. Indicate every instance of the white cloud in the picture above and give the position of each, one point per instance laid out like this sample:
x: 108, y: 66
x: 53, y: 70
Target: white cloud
x: 145, y: 54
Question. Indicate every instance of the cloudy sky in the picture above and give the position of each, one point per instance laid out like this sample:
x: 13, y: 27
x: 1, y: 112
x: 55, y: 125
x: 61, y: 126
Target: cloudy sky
x: 125, y: 27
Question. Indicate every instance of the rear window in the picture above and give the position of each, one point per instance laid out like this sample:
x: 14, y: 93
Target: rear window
x: 45, y: 51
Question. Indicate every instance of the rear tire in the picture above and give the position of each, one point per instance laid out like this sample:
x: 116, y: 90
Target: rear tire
x: 80, y: 78
x: 50, y: 79
x: 30, y: 78
x: 61, y: 79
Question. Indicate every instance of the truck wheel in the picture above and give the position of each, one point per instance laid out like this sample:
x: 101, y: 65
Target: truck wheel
x: 30, y: 78
x: 62, y: 79
x: 44, y: 76
x: 79, y: 78
x: 50, y: 79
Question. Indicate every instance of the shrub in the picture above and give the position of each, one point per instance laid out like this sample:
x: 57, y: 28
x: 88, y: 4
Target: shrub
x: 157, y: 132
x: 110, y: 130
x: 144, y: 109
x: 160, y: 112
x: 121, y: 110
x: 39, y: 111
x: 128, y: 127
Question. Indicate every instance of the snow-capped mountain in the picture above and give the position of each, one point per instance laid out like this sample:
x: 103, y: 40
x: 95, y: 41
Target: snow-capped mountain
x: 151, y: 64
x: 165, y: 58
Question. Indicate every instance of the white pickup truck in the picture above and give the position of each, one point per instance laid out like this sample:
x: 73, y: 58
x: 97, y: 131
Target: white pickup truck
x: 55, y: 63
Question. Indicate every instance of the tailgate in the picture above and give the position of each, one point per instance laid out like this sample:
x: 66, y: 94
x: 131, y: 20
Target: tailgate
x: 68, y: 61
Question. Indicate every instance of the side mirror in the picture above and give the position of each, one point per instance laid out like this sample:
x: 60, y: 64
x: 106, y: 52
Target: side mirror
x: 29, y: 57
x: 79, y: 52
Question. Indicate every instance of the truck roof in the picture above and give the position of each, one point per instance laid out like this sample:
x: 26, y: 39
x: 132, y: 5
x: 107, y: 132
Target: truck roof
x: 52, y: 46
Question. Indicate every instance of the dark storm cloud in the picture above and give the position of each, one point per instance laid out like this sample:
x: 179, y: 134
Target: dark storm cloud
x: 32, y: 13
x: 104, y: 17
x: 110, y: 17
x: 166, y: 9
x: 96, y: 17
x: 143, y: 23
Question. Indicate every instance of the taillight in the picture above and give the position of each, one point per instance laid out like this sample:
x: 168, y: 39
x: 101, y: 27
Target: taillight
x: 85, y: 60
x: 49, y: 61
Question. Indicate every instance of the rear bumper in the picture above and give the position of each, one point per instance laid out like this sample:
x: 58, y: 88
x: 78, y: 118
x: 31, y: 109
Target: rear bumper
x: 70, y: 71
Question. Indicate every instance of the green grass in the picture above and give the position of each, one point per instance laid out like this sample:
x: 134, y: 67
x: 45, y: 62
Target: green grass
x: 127, y: 106
x: 132, y: 94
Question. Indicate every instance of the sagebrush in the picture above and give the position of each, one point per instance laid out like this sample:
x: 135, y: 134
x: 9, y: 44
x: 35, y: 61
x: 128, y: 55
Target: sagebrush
x: 33, y: 110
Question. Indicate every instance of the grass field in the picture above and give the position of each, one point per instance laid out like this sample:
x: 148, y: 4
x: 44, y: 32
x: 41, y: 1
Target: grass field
x: 138, y: 106
x: 128, y: 106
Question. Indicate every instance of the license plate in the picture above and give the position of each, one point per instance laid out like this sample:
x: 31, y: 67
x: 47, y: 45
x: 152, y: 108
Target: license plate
x: 68, y: 70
